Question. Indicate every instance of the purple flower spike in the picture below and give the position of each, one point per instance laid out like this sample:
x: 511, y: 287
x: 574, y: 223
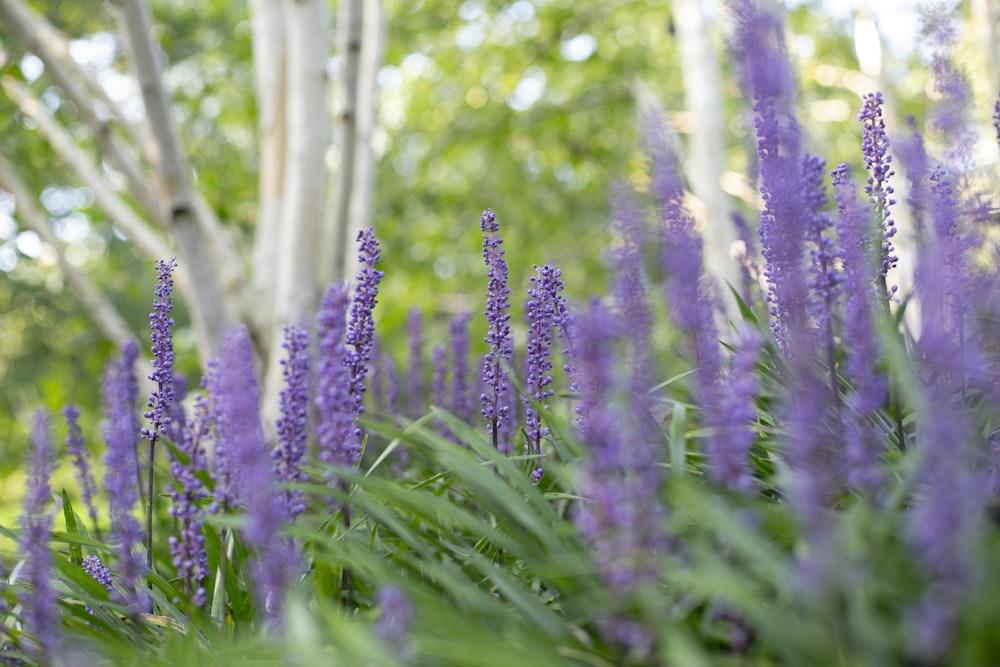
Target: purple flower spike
x: 875, y: 148
x: 337, y: 432
x: 996, y: 118
x: 495, y: 407
x: 75, y: 448
x: 415, y: 371
x: 361, y: 327
x: 188, y: 549
x: 237, y: 416
x: 121, y: 475
x: 98, y: 571
x: 395, y: 619
x: 462, y: 399
x: 40, y: 615
x: 161, y: 399
x: 272, y: 566
x: 545, y: 301
x: 728, y: 450
x: 291, y: 425
x: 859, y: 336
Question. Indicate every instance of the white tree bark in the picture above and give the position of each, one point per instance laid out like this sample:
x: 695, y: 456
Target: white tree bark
x: 296, y: 288
x: 337, y: 235
x: 706, y: 145
x: 270, y: 63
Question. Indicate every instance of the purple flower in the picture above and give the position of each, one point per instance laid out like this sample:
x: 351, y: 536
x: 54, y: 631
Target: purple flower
x: 188, y: 548
x: 272, y: 565
x: 161, y: 399
x: 629, y: 284
x: 620, y: 478
x: 98, y: 571
x: 336, y: 432
x: 875, y: 149
x: 759, y: 41
x: 859, y: 336
x: 415, y: 373
x: 394, y: 621
x: 121, y: 437
x: 237, y: 418
x: 291, y: 425
x: 996, y: 118
x: 544, y: 302
x: 496, y: 409
x: 728, y: 449
x: 361, y: 327
x: 462, y: 398
x: 75, y: 448
x: 40, y: 614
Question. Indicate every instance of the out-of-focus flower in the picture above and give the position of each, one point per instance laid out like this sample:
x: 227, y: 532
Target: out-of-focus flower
x: 463, y: 402
x: 394, y: 622
x: 40, y: 614
x: 75, y: 448
x: 415, y: 398
x: 121, y: 477
x: 188, y: 548
x: 336, y: 432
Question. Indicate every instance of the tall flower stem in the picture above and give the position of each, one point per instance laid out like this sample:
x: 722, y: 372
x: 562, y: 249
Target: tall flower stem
x: 161, y: 399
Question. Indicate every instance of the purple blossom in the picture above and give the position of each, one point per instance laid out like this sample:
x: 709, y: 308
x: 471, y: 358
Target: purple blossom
x: 824, y: 280
x: 266, y: 511
x: 462, y: 398
x: 415, y: 371
x: 620, y: 478
x: 360, y: 335
x: 875, y: 149
x: 75, y: 448
x: 996, y: 118
x: 759, y: 42
x: 121, y: 438
x: 728, y: 449
x: 188, y: 548
x: 40, y: 613
x: 544, y: 301
x: 291, y: 424
x: 161, y: 399
x: 859, y: 336
x: 496, y: 409
x: 98, y: 571
x: 629, y: 284
x: 394, y: 621
x: 439, y: 372
x: 688, y: 293
x: 236, y: 412
x: 336, y: 432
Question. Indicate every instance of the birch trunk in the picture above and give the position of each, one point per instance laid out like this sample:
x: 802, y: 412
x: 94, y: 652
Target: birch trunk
x: 706, y: 147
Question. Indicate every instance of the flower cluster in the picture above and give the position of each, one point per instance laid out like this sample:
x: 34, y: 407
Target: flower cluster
x: 496, y: 409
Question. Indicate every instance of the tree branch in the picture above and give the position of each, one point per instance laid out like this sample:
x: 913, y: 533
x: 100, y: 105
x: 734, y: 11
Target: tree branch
x: 209, y: 309
x: 117, y: 210
x: 97, y: 306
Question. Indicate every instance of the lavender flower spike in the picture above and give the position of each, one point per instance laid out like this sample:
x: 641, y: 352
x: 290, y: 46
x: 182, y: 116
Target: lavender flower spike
x: 544, y: 302
x: 237, y: 415
x: 161, y: 399
x: 36, y: 527
x: 75, y: 448
x: 415, y: 399
x: 98, y: 571
x: 395, y: 619
x: 291, y: 425
x: 188, y: 548
x: 337, y: 431
x: 875, y: 148
x: 361, y: 327
x: 462, y: 400
x: 121, y: 476
x: 495, y: 407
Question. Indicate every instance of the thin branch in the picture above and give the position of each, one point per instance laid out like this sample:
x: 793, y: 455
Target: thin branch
x: 44, y: 40
x: 208, y: 307
x: 96, y: 304
x: 349, y: 43
x: 145, y: 238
